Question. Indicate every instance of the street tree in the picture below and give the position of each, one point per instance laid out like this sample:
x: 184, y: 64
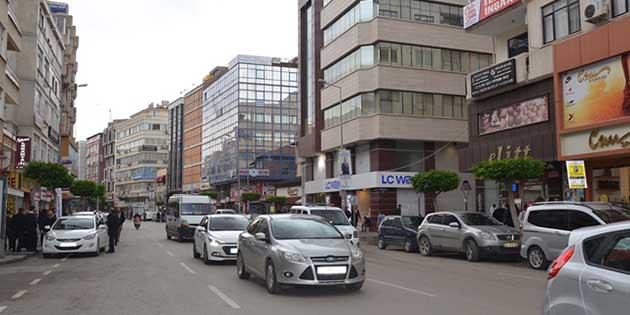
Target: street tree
x: 250, y: 196
x: 277, y: 201
x: 210, y: 193
x: 508, y: 171
x: 49, y: 175
x: 435, y: 182
x: 84, y: 189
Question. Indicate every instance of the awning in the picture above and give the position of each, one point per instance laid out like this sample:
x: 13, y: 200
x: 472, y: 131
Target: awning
x: 15, y: 192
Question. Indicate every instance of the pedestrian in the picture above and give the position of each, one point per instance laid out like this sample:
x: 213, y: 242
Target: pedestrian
x: 30, y: 231
x: 122, y: 220
x: 113, y: 225
x: 366, y: 224
x: 12, y: 235
x: 19, y: 228
x: 491, y: 212
x: 380, y: 218
x: 41, y: 223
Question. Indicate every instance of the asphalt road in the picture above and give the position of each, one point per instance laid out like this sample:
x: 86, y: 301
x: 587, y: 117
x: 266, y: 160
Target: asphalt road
x: 151, y: 275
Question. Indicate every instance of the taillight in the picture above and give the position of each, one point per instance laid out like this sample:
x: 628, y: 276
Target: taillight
x: 562, y: 260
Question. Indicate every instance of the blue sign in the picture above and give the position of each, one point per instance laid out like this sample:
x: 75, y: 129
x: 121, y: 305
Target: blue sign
x: 332, y: 185
x: 395, y: 179
x: 58, y: 7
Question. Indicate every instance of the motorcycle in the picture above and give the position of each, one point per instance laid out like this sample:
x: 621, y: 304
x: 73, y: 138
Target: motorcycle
x: 136, y: 221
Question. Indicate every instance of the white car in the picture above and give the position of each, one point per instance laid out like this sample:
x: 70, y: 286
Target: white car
x: 76, y: 234
x: 216, y: 237
x: 334, y: 216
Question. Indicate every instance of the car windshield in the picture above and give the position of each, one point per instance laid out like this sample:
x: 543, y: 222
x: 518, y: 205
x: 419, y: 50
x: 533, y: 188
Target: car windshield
x: 196, y: 208
x: 411, y: 222
x: 613, y: 214
x: 235, y: 223
x: 299, y: 229
x: 335, y: 217
x: 478, y: 219
x: 74, y: 224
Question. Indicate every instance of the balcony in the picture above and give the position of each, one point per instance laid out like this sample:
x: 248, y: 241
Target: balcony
x: 14, y: 30
x: 13, y: 89
x: 494, y: 17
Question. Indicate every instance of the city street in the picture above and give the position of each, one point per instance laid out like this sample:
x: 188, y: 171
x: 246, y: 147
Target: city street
x: 151, y: 275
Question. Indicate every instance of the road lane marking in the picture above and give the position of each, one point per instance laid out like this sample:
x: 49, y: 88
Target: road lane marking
x: 19, y: 294
x: 224, y: 297
x: 36, y: 281
x: 56, y: 265
x: 403, y: 288
x: 168, y: 252
x: 47, y: 272
x: 518, y: 276
x: 187, y: 268
x: 2, y: 308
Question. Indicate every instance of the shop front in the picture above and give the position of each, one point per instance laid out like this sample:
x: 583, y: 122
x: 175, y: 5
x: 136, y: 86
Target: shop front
x: 592, y: 71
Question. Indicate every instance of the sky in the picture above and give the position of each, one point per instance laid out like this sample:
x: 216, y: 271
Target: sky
x: 134, y: 52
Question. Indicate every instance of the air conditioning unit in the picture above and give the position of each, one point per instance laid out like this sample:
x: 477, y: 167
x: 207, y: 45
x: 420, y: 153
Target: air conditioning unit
x: 596, y: 11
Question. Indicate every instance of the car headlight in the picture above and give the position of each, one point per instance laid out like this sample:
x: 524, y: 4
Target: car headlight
x: 89, y: 236
x: 50, y: 238
x: 293, y: 257
x: 355, y: 234
x: 487, y: 236
x: 357, y: 254
x: 215, y: 242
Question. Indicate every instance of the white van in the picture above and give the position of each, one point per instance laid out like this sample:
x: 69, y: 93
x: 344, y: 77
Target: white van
x: 183, y: 214
x: 334, y: 215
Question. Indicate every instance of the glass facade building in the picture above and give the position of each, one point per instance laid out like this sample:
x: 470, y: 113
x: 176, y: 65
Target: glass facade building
x: 250, y: 120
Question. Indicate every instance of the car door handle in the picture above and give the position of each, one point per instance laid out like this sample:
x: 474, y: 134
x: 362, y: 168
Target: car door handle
x: 599, y: 286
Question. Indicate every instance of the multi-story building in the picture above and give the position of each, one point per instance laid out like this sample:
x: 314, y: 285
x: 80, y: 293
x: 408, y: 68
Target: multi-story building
x: 249, y: 113
x: 40, y: 70
x: 82, y: 159
x: 109, y: 159
x: 540, y: 86
x: 193, y: 120
x: 68, y: 116
x: 385, y: 81
x: 176, y: 146
x: 94, y: 158
x: 141, y: 150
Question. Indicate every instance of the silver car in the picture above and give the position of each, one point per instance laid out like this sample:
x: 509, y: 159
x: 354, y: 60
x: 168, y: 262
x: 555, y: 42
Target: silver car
x: 299, y: 250
x: 474, y: 234
x: 216, y: 237
x: 592, y: 275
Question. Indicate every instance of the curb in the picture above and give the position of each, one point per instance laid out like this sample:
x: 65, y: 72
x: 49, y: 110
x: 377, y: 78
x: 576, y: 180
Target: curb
x: 17, y: 259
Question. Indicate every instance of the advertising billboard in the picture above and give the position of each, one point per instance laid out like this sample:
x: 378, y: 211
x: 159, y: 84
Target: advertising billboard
x: 576, y: 175
x: 344, y: 163
x: 23, y: 153
x: 479, y: 10
x: 597, y: 93
x: 513, y: 116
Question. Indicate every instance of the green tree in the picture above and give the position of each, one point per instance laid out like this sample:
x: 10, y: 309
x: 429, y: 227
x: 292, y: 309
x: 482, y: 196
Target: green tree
x: 209, y: 193
x: 49, y: 175
x: 436, y: 182
x: 99, y: 194
x: 250, y: 196
x: 508, y: 171
x: 85, y: 189
x: 278, y: 201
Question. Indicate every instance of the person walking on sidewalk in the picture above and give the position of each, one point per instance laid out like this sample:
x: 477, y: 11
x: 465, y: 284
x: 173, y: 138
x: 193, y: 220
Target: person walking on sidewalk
x: 113, y: 225
x: 12, y: 235
x: 122, y: 220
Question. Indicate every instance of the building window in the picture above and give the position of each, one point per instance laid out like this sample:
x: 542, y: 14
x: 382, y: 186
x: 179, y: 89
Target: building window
x: 620, y: 7
x: 518, y: 45
x: 560, y: 19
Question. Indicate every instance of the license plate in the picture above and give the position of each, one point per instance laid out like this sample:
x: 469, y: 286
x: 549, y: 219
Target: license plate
x: 334, y: 270
x: 511, y: 245
x: 233, y: 250
x: 68, y: 245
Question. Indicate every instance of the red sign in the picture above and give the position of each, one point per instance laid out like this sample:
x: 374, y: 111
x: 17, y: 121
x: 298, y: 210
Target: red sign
x: 23, y: 153
x: 479, y: 10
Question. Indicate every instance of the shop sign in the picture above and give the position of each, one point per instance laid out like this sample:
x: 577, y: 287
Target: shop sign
x: 363, y: 181
x: 23, y: 153
x: 254, y: 172
x: 597, y: 93
x: 517, y: 115
x: 10, y: 205
x: 389, y: 179
x: 509, y: 152
x: 14, y: 180
x: 479, y: 10
x: 576, y: 174
x: 599, y: 140
x: 493, y: 77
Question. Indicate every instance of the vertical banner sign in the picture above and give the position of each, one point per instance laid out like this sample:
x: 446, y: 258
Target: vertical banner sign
x: 576, y: 174
x: 344, y: 167
x: 3, y: 215
x: 59, y: 198
x: 23, y: 153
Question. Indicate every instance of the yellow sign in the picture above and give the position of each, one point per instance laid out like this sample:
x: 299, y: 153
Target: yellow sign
x: 10, y: 206
x: 576, y: 174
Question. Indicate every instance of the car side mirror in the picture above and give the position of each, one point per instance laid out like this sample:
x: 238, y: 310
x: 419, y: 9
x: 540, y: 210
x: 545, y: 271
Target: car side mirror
x: 260, y: 237
x: 47, y: 228
x: 454, y: 225
x: 201, y: 228
x: 348, y: 236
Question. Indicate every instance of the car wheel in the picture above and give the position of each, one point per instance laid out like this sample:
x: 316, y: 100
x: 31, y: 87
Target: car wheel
x: 424, y: 245
x: 195, y: 253
x: 205, y: 255
x: 168, y: 236
x: 271, y: 282
x: 409, y: 247
x: 536, y: 258
x: 381, y: 243
x: 241, y: 270
x: 471, y: 250
x: 355, y: 286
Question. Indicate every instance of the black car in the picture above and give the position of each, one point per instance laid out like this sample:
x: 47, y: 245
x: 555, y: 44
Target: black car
x: 399, y: 231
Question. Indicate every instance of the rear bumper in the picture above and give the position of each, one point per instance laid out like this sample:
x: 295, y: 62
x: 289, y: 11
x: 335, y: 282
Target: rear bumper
x: 186, y: 233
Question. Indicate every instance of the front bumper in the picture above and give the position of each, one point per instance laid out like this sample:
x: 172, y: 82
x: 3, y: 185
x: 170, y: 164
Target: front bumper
x: 221, y: 252
x: 314, y: 274
x: 498, y: 250
x: 76, y: 246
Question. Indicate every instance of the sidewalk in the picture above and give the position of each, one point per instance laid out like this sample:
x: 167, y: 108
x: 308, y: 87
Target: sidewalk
x: 369, y: 237
x: 15, y: 257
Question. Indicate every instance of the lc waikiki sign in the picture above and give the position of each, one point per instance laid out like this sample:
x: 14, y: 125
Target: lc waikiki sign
x: 366, y: 181
x: 479, y: 10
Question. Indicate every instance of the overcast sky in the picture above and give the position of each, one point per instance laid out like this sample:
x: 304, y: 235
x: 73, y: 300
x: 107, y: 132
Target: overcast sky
x: 133, y: 52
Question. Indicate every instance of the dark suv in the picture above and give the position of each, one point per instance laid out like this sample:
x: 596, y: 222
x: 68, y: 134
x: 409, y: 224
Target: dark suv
x: 399, y: 231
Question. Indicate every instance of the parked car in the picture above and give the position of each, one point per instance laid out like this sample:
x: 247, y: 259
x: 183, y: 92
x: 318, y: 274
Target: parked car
x: 216, y: 237
x: 302, y: 250
x: 592, y: 275
x: 333, y: 215
x: 399, y: 231
x: 547, y: 226
x: 225, y: 211
x: 76, y: 234
x: 472, y: 233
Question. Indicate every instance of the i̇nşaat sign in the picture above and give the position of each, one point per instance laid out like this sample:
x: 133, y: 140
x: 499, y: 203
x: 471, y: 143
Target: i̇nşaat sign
x: 23, y: 153
x: 479, y: 10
